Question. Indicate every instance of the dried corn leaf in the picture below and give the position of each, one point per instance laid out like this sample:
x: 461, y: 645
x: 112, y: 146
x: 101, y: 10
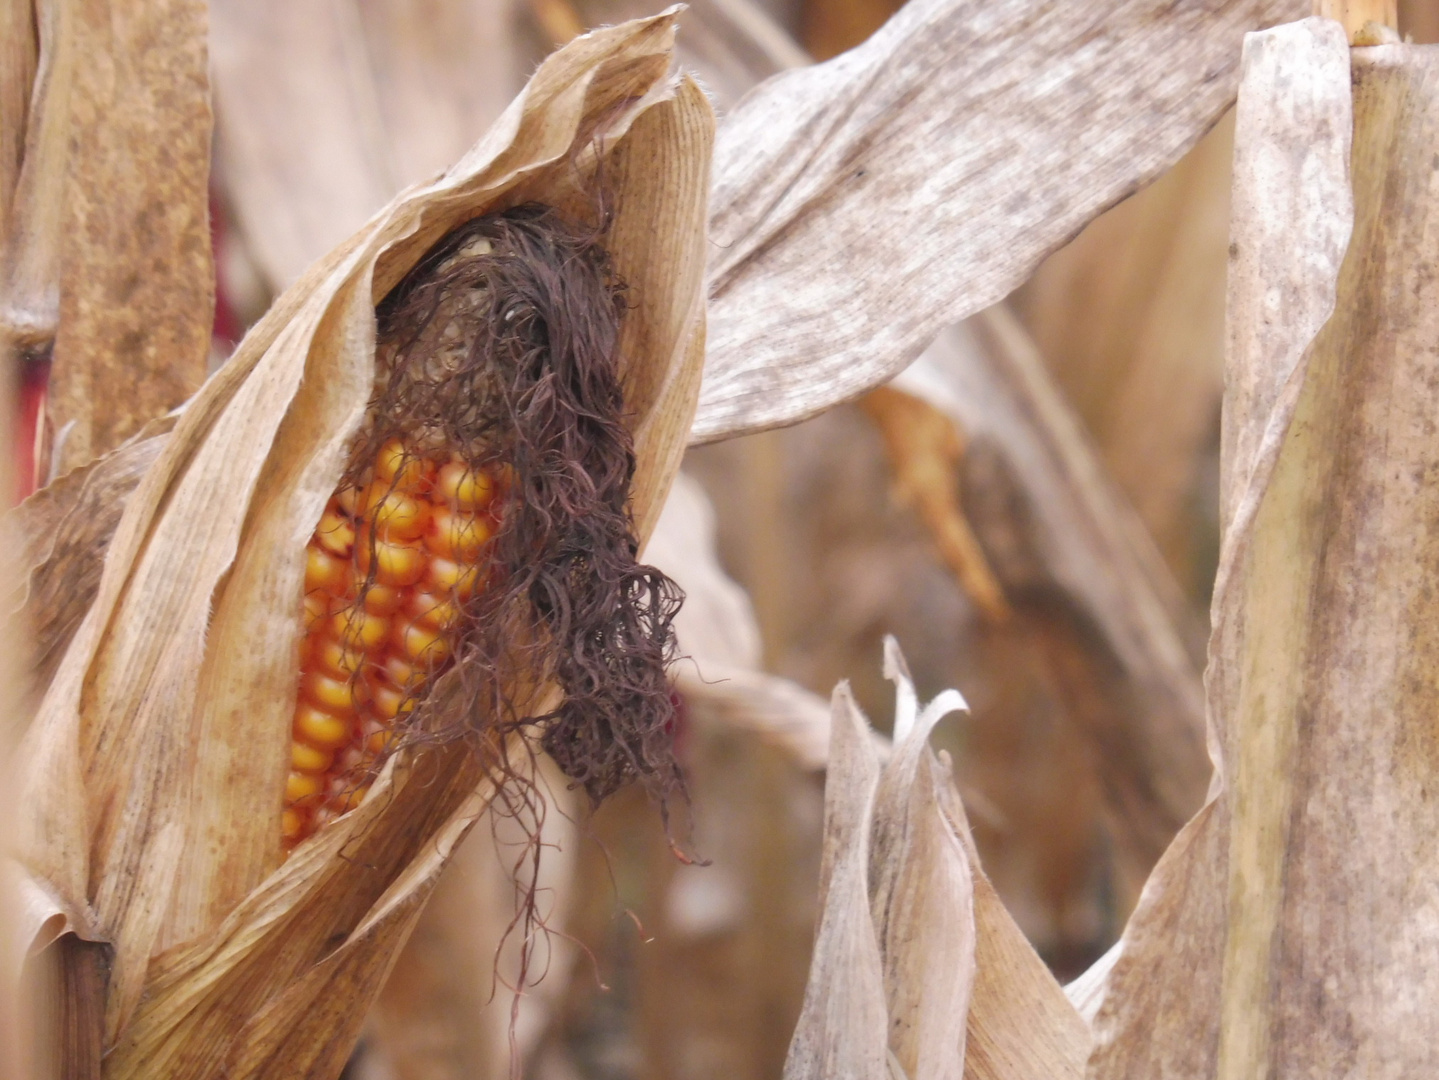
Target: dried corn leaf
x: 961, y: 990
x: 843, y: 1027
x: 921, y: 893
x: 136, y: 291
x: 167, y: 722
x: 862, y: 204
x: 1021, y: 1024
x: 1239, y: 896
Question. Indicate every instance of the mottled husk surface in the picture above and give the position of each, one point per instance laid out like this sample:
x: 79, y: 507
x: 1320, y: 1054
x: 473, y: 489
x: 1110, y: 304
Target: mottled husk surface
x: 155, y: 762
x: 1290, y: 929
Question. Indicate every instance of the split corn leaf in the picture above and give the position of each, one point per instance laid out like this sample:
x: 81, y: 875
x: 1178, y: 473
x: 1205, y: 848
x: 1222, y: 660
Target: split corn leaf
x: 157, y: 755
x: 918, y: 970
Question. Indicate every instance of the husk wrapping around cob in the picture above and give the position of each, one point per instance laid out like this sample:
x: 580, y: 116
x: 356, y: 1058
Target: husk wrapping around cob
x: 162, y: 741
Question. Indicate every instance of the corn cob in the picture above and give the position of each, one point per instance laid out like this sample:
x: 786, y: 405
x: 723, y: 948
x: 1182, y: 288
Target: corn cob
x: 386, y: 571
x: 482, y: 523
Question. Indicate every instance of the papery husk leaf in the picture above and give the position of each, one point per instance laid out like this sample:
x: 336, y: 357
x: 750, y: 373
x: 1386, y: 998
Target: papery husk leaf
x: 921, y: 895
x: 445, y: 1010
x: 1195, y: 986
x: 863, y: 204
x: 158, y: 754
x: 842, y: 1029
x: 63, y: 530
x: 1020, y: 1023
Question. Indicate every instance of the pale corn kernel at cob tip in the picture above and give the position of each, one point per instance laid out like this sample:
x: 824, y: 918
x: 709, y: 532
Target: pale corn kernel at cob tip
x: 387, y: 571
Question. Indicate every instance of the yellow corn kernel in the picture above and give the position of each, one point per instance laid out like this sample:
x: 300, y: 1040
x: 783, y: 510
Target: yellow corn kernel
x: 335, y: 533
x: 333, y: 657
x: 321, y: 729
x: 433, y: 609
x: 326, y: 571
x: 358, y: 628
x: 383, y: 599
x: 424, y: 646
x: 294, y: 824
x: 449, y: 578
x: 456, y: 535
x: 396, y: 514
x: 463, y: 489
x: 310, y: 759
x: 303, y: 789
x: 333, y: 695
x: 402, y: 470
x: 400, y: 563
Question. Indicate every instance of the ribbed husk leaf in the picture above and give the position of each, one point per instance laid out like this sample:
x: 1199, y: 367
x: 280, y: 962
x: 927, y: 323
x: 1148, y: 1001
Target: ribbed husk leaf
x: 156, y: 759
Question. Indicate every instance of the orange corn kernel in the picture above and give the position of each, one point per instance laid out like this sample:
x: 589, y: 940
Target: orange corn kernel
x: 335, y: 532
x: 294, y: 825
x: 310, y: 759
x: 424, y: 646
x: 379, y: 743
x: 387, y: 701
x: 335, y: 658
x: 401, y: 672
x: 358, y: 628
x: 321, y: 729
x: 347, y: 499
x: 456, y: 535
x: 383, y: 599
x: 333, y: 695
x: 303, y: 789
x: 462, y: 488
x: 396, y: 514
x: 317, y: 606
x: 432, y: 609
x: 401, y: 469
x: 326, y: 571
x: 347, y: 799
x: 450, y: 578
x: 396, y: 562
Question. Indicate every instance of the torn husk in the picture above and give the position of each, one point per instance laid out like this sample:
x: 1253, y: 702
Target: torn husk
x: 157, y: 758
x: 919, y: 972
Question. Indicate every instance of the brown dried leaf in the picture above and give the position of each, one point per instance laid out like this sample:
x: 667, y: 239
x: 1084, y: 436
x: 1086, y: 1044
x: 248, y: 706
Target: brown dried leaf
x: 921, y: 893
x: 863, y: 204
x: 1310, y: 806
x: 962, y: 990
x: 843, y: 1024
x: 168, y: 720
x: 136, y: 286
x: 925, y: 447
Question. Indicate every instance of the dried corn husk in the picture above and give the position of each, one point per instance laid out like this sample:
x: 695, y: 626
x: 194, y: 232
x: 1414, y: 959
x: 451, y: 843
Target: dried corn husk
x: 918, y: 970
x: 157, y: 752
x: 862, y: 204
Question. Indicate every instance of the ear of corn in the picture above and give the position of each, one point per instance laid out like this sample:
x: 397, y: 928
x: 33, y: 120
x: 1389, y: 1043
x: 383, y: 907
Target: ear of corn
x: 390, y: 565
x: 158, y: 761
